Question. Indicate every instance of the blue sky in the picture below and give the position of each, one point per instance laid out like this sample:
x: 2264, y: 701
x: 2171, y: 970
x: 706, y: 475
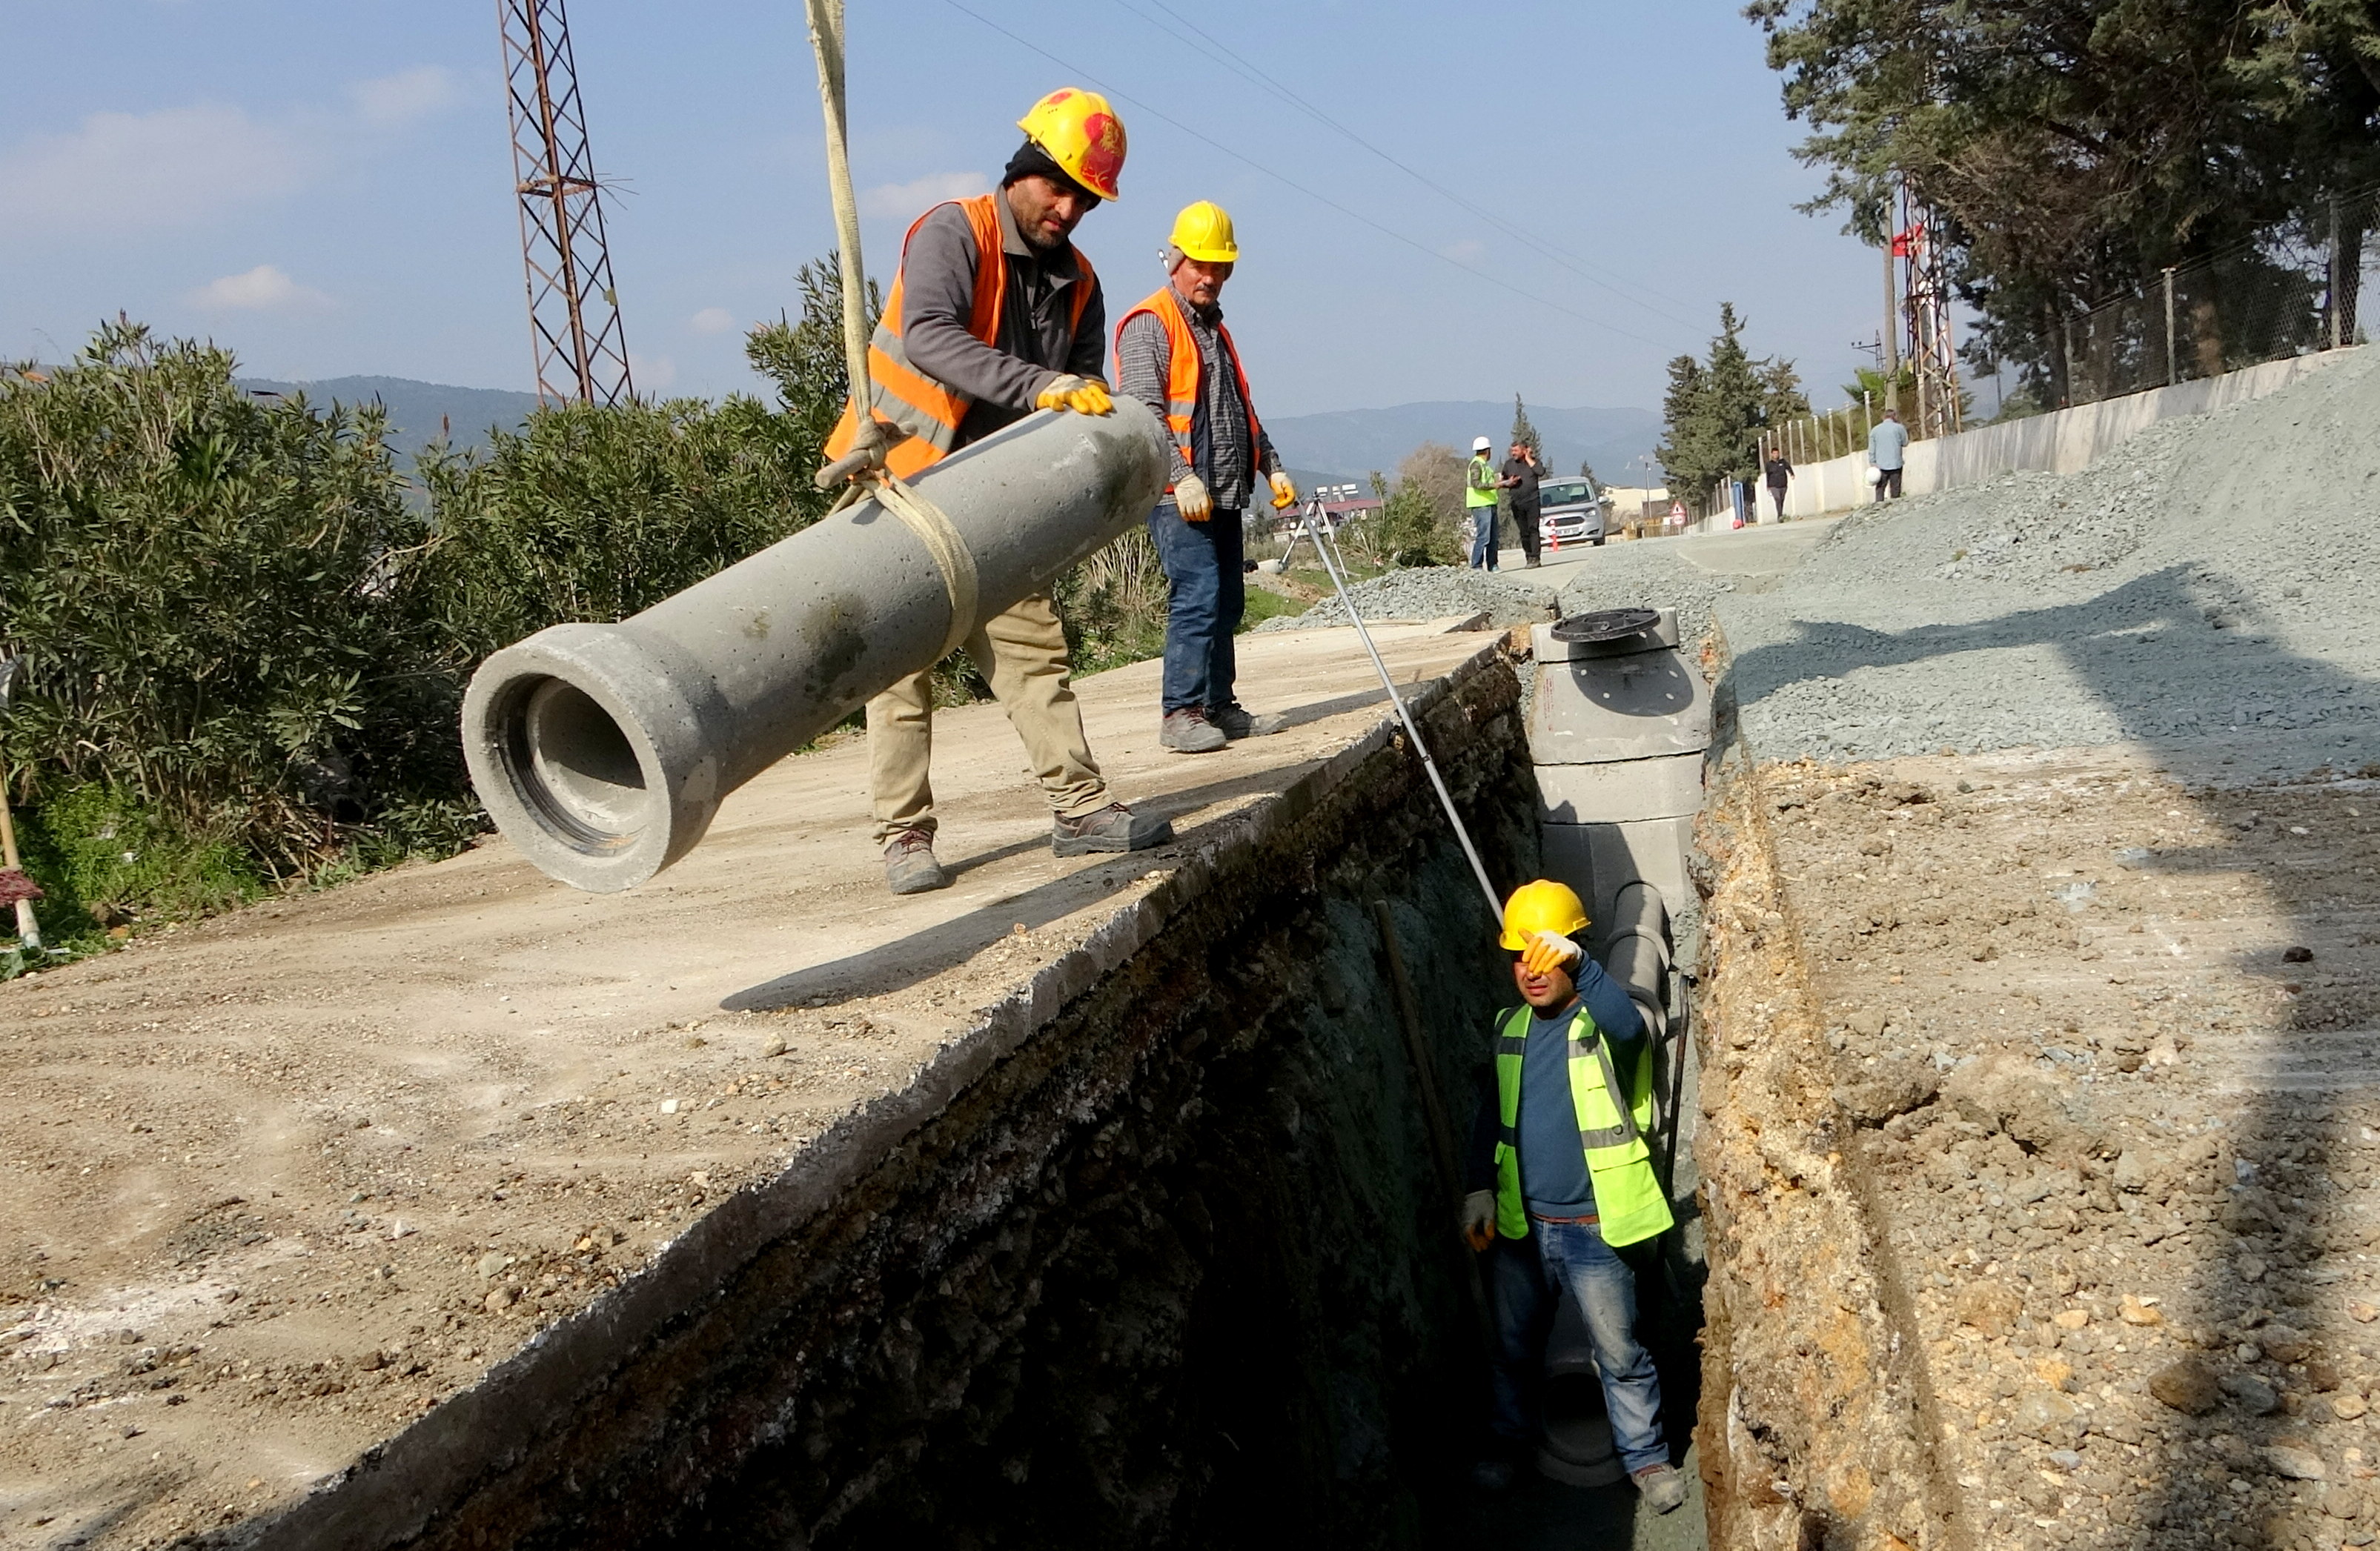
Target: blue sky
x: 326, y: 188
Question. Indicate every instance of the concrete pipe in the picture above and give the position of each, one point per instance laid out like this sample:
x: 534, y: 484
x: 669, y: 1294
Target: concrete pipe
x: 604, y: 750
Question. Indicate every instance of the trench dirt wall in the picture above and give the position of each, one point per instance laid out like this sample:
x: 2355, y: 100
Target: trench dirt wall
x: 1168, y: 1262
x: 1817, y: 1419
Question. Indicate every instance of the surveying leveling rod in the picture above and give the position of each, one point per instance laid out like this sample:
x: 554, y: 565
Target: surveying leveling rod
x: 1312, y: 522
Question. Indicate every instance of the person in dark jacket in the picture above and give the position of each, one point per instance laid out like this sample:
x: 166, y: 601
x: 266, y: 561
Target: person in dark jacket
x: 1779, y: 473
x: 1519, y: 480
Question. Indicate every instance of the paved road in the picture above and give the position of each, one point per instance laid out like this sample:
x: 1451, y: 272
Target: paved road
x: 1769, y: 550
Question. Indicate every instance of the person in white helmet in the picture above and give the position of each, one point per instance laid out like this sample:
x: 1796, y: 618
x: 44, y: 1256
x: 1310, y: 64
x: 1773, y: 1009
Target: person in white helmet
x: 1480, y: 483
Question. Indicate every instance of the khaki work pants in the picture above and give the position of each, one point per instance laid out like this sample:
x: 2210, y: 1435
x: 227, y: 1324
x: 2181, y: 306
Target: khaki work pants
x: 1023, y: 652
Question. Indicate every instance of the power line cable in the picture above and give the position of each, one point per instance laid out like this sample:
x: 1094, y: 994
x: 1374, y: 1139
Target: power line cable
x: 1223, y: 55
x: 1292, y: 183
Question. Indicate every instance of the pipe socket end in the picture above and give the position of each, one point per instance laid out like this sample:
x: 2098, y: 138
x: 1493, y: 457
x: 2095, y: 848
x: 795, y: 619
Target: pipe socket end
x: 586, y: 759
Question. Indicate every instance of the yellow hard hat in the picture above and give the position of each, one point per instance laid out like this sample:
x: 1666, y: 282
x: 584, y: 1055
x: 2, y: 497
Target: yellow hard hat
x: 1541, y: 906
x: 1204, y: 232
x: 1082, y: 134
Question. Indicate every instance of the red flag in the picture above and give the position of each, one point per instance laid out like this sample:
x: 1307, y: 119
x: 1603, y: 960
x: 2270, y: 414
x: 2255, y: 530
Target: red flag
x: 1906, y: 244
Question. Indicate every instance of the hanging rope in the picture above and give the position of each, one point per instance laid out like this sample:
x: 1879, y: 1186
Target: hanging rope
x: 862, y: 472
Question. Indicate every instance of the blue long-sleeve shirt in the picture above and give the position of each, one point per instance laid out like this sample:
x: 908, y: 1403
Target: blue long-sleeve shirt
x: 1887, y: 443
x: 1554, y: 1178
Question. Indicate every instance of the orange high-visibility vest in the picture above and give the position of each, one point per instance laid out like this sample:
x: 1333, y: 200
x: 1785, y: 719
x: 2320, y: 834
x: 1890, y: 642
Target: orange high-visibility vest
x: 1183, y: 364
x: 907, y: 397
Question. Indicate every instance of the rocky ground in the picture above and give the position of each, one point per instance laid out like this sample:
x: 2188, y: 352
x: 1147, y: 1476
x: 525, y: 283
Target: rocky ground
x: 2108, y: 1040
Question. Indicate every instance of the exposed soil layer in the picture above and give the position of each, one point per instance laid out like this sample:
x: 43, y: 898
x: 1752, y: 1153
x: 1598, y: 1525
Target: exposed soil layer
x: 2093, y: 1054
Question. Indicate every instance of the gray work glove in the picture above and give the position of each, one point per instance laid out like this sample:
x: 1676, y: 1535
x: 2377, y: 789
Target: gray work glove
x: 1479, y: 1218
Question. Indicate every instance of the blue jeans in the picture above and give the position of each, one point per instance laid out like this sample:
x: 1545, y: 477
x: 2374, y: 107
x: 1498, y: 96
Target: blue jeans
x: 1211, y: 591
x: 1524, y: 1280
x: 1483, y: 536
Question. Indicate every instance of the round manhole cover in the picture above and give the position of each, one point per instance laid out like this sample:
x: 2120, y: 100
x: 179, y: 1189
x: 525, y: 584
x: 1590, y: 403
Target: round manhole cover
x: 1606, y: 624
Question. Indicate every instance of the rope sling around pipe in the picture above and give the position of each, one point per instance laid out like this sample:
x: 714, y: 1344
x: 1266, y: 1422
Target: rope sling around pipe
x: 864, y: 466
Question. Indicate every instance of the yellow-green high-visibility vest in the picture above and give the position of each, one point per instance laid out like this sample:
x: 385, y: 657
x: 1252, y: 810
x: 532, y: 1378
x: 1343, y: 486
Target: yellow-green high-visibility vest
x: 1629, y: 1202
x: 1479, y: 483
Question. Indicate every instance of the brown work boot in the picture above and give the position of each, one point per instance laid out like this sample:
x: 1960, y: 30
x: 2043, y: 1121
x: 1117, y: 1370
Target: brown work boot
x: 1236, y: 721
x: 1188, y: 732
x: 1112, y: 827
x: 909, y: 865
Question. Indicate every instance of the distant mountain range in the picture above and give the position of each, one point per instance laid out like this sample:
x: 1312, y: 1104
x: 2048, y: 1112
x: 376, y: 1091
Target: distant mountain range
x: 417, y: 411
x: 1350, y: 443
x: 1345, y: 444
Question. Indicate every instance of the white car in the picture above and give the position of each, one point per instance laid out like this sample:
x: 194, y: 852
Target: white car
x: 1571, y: 511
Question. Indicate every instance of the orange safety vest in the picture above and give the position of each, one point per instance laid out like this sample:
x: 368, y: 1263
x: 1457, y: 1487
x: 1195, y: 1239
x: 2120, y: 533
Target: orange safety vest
x: 1183, y: 363
x: 907, y: 397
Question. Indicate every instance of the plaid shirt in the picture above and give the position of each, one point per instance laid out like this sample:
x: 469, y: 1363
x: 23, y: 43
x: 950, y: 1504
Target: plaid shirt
x: 1142, y: 358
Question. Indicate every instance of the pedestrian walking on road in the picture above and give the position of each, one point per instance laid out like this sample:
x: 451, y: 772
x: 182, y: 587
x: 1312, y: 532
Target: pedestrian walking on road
x: 1779, y: 472
x: 994, y: 313
x: 1563, y: 1195
x: 1174, y: 354
x: 1519, y: 480
x: 1480, y: 483
x: 1888, y: 446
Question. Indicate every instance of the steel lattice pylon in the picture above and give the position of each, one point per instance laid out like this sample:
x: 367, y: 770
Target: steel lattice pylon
x: 573, y: 313
x: 1932, y: 352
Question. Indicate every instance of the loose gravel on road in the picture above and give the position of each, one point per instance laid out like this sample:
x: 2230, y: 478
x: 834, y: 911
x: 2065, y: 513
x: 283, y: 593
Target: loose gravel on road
x: 2206, y: 582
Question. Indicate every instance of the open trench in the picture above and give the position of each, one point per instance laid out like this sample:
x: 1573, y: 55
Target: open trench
x: 1177, y: 1268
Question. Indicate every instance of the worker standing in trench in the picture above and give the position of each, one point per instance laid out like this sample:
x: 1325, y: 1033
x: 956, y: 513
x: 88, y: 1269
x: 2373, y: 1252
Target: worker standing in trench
x: 994, y: 313
x: 1174, y: 354
x: 1562, y: 1186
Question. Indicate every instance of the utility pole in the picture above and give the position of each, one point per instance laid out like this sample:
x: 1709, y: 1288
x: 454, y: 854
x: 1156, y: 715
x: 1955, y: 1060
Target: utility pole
x: 574, y: 311
x: 1891, y: 335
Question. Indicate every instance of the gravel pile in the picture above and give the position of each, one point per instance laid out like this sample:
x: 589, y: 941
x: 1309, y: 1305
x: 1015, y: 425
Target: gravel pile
x: 2203, y: 585
x: 1642, y: 575
x: 1434, y: 593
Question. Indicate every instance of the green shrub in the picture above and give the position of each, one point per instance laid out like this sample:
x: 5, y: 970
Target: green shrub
x: 590, y: 513
x: 215, y: 600
x: 104, y: 860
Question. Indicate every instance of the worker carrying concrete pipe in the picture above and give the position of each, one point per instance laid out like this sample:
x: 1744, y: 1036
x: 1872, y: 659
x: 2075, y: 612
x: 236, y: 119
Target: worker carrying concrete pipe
x: 1174, y: 354
x: 1562, y: 1189
x: 995, y: 313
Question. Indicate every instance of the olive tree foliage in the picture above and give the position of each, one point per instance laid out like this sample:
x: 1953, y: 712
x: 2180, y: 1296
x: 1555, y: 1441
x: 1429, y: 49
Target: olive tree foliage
x: 1718, y: 410
x: 217, y: 602
x: 591, y: 513
x: 245, y: 645
x: 2076, y: 148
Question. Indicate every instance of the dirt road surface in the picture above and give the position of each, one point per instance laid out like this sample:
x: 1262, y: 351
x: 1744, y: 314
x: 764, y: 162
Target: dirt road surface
x: 273, y: 1186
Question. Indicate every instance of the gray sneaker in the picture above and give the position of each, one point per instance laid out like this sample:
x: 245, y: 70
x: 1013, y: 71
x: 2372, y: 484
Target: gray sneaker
x: 1189, y: 732
x: 909, y: 865
x: 1112, y: 827
x: 1661, y: 1487
x: 1238, y: 721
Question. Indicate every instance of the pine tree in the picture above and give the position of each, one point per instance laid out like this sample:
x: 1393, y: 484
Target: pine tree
x: 1525, y: 433
x: 1718, y: 410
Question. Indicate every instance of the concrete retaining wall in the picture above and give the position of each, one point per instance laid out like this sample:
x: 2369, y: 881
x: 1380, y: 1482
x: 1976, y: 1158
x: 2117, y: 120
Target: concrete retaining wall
x: 1154, y: 1254
x: 2058, y: 442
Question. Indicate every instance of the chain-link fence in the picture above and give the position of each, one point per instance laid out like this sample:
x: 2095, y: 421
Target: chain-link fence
x: 2291, y: 293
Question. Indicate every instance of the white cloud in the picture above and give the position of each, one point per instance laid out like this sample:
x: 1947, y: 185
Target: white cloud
x: 712, y: 319
x: 905, y: 202
x: 390, y: 102
x: 122, y: 172
x: 265, y: 288
x: 653, y: 374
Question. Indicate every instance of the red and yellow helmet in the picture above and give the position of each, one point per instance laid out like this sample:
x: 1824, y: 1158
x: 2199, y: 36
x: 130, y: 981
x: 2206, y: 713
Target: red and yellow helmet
x: 1080, y: 133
